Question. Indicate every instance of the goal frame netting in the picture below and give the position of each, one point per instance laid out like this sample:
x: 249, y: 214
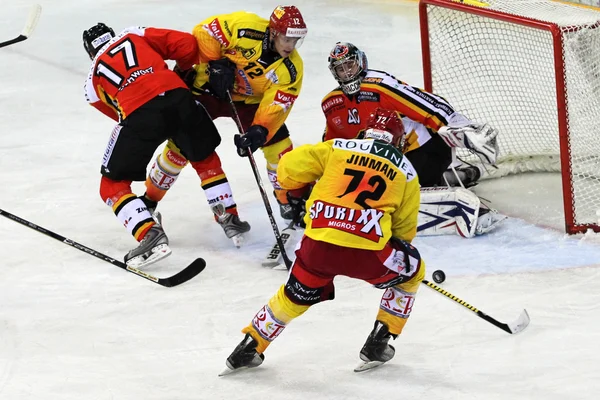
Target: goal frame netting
x: 572, y: 223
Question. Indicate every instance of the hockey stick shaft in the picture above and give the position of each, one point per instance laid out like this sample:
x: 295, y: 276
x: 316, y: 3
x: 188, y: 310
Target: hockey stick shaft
x: 189, y: 272
x: 263, y: 193
x: 517, y: 327
x: 30, y: 24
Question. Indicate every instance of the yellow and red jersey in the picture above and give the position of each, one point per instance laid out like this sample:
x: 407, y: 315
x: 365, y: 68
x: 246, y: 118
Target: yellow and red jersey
x: 366, y: 191
x: 130, y: 69
x: 263, y: 77
x: 423, y: 113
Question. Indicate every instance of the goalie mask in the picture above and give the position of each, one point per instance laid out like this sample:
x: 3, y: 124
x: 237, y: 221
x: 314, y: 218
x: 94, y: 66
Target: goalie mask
x: 348, y: 65
x: 387, y: 126
x: 96, y: 37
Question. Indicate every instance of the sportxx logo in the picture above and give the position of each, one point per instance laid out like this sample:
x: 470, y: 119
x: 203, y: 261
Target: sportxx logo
x: 363, y: 223
x: 215, y: 30
x: 284, y: 100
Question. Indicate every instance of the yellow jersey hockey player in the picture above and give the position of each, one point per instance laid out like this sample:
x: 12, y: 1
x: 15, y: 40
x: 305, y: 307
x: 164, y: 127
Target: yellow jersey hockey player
x: 361, y: 217
x: 255, y: 60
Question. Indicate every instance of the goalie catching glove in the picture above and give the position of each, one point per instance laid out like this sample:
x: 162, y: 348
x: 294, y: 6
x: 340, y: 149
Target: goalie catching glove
x: 480, y: 139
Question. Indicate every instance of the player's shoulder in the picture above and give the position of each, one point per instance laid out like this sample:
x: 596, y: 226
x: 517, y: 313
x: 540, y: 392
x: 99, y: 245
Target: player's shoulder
x: 132, y: 30
x: 238, y: 22
x: 383, y: 79
x: 290, y: 70
x: 333, y: 99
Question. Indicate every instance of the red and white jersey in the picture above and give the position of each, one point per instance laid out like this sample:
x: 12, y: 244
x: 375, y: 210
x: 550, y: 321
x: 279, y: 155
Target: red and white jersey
x: 131, y: 70
x: 423, y: 113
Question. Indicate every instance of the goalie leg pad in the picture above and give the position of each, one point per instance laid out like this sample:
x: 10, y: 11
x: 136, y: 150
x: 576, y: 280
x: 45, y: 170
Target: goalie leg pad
x: 446, y: 211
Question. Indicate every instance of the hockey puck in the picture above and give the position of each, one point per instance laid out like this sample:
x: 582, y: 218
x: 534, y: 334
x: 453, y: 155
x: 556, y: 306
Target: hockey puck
x: 438, y: 276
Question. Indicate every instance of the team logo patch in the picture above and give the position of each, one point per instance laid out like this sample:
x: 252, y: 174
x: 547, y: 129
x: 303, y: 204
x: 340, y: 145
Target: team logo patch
x: 248, y: 53
x: 284, y: 100
x: 363, y: 223
x: 279, y: 12
x: 251, y: 34
x: 215, y: 30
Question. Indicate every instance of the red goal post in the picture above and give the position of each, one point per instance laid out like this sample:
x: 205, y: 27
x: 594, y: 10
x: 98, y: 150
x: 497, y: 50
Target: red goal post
x: 532, y: 70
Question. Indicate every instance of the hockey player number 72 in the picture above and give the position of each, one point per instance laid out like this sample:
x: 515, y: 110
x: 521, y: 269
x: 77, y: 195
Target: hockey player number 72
x: 376, y: 181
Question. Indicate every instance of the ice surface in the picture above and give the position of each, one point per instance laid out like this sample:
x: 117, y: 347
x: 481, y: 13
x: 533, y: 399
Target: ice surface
x: 74, y: 327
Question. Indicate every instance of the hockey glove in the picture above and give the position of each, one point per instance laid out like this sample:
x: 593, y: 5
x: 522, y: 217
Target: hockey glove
x: 188, y: 76
x: 405, y: 262
x: 297, y: 200
x: 480, y: 139
x: 221, y: 76
x: 251, y: 140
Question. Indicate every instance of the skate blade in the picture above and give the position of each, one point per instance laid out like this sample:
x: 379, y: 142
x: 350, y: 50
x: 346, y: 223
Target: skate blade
x: 367, y: 365
x: 238, y: 240
x: 158, y: 253
x: 228, y: 371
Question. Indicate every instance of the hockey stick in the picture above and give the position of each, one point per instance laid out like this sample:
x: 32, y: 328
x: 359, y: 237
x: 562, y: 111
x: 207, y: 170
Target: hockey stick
x: 182, y: 276
x: 32, y: 20
x: 263, y: 193
x: 515, y: 327
x: 290, y: 236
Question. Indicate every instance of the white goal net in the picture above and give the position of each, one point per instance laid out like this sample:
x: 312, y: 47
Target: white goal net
x: 532, y: 70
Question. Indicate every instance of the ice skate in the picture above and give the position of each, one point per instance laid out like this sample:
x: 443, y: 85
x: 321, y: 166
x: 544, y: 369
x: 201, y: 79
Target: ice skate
x: 244, y: 356
x: 151, y: 206
x: 233, y: 227
x: 376, y: 350
x: 153, y: 247
x: 488, y: 219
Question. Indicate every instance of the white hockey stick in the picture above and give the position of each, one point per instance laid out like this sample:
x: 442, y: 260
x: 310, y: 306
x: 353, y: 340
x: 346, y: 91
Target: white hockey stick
x: 32, y: 20
x: 290, y: 236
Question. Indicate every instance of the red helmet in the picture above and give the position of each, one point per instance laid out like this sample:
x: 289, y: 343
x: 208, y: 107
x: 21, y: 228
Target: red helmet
x: 385, y: 125
x: 287, y: 21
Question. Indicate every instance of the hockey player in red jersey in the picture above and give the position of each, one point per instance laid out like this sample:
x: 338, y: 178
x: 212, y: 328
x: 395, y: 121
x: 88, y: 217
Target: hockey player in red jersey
x: 256, y: 61
x: 130, y: 82
x: 433, y: 130
x: 361, y: 217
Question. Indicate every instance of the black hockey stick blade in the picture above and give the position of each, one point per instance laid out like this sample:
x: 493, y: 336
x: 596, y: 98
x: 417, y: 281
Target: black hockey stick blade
x: 182, y: 276
x: 516, y: 326
x: 30, y: 24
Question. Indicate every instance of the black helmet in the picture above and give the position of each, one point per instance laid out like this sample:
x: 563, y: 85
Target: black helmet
x: 96, y: 37
x: 348, y: 66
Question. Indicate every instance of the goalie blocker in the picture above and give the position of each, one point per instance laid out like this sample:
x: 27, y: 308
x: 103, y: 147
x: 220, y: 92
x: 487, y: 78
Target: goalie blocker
x: 454, y: 210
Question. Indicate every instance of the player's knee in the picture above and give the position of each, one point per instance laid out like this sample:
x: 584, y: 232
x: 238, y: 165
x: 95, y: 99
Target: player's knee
x: 274, y: 152
x: 397, y: 302
x: 111, y: 191
x: 300, y: 293
x: 209, y: 167
x: 165, y: 170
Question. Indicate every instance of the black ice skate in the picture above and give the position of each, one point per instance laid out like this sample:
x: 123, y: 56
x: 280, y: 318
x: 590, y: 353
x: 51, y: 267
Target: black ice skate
x: 244, y: 356
x: 376, y: 350
x: 233, y: 227
x: 153, y: 247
